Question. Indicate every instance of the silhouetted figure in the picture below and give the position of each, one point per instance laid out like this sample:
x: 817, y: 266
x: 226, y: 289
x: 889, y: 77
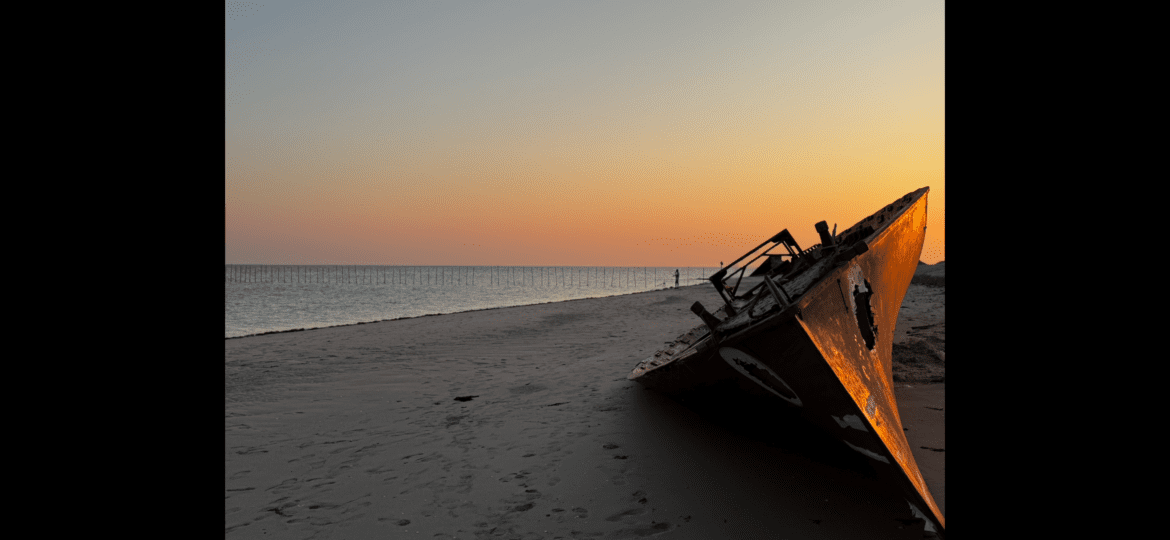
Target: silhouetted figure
x: 676, y: 277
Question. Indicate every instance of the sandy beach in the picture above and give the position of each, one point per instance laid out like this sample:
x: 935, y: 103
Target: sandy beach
x: 519, y: 423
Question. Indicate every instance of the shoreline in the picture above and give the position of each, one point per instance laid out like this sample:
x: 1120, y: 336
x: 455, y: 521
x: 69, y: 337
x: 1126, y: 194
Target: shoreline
x: 453, y: 312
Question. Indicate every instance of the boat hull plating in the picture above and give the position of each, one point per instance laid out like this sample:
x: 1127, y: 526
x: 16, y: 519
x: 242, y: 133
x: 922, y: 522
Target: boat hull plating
x: 830, y: 353
x: 846, y: 387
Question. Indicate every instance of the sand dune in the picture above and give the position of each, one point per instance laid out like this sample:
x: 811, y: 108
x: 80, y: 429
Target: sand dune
x: 936, y: 269
x: 920, y: 335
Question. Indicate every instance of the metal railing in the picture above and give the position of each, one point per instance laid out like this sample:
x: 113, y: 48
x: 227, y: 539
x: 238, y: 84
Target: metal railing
x: 721, y: 278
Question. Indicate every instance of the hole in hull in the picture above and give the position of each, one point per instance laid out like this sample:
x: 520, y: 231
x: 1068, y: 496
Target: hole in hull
x: 864, y: 313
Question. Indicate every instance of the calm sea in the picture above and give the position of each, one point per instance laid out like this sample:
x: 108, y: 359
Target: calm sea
x: 266, y: 298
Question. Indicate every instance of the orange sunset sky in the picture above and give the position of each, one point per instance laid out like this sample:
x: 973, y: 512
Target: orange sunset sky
x: 640, y: 133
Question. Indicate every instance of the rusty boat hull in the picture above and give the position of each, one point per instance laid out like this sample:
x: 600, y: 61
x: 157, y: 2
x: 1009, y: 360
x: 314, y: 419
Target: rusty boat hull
x: 817, y: 334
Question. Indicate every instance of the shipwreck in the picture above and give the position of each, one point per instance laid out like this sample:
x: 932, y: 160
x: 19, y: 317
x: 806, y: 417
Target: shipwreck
x: 813, y: 329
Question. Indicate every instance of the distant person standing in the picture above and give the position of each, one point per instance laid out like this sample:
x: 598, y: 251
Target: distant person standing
x: 676, y: 277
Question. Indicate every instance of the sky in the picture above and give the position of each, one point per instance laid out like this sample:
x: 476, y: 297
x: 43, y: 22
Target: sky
x: 545, y: 132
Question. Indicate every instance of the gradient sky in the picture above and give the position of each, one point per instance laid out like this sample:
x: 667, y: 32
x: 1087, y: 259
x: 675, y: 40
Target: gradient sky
x: 541, y: 132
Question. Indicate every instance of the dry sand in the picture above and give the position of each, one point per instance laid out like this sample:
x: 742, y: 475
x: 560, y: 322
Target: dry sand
x: 520, y: 423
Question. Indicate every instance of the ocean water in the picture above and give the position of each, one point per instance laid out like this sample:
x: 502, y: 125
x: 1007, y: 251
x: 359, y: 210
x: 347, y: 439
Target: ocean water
x: 268, y: 298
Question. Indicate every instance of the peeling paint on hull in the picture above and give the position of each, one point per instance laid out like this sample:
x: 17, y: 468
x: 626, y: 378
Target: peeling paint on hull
x: 832, y: 360
x: 868, y: 453
x: 851, y: 420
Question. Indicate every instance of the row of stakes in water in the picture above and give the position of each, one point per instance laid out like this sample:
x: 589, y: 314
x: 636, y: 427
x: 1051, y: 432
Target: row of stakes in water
x: 462, y: 275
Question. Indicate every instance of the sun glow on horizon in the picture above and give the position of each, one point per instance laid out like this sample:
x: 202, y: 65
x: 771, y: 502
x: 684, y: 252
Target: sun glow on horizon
x: 564, y: 134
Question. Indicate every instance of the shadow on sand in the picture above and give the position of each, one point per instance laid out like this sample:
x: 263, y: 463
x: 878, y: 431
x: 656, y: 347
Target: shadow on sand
x: 742, y: 467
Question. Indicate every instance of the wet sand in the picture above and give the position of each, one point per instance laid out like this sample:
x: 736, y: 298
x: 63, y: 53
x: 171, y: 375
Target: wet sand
x: 520, y: 423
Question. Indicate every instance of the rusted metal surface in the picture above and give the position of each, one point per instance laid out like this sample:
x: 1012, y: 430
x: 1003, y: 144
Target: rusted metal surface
x: 816, y: 333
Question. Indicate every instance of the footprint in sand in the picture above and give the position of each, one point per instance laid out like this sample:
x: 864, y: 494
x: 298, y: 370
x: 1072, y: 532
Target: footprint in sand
x: 640, y: 497
x: 653, y: 529
x: 239, y: 474
x: 285, y: 485
x: 626, y: 514
x: 527, y: 388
